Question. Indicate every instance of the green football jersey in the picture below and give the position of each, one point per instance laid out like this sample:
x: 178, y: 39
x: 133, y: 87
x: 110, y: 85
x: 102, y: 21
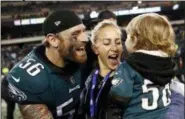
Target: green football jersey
x: 141, y: 98
x: 35, y: 80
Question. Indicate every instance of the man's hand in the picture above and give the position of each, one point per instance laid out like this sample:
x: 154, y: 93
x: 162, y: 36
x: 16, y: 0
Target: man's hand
x: 35, y: 111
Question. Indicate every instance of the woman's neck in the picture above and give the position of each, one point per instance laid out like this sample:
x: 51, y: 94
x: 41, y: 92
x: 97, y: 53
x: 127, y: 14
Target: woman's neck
x: 104, y: 71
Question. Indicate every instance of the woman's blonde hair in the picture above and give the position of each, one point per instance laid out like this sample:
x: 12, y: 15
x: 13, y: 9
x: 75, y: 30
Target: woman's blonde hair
x: 101, y: 25
x: 153, y: 32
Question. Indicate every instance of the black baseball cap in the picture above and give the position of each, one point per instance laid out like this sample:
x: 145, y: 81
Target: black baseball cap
x: 60, y: 20
x: 106, y: 14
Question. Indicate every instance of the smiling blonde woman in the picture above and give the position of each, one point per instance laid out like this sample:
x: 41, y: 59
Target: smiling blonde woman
x: 107, y: 45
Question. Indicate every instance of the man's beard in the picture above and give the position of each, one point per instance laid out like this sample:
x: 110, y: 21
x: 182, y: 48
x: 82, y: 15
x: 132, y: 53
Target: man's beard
x: 67, y: 57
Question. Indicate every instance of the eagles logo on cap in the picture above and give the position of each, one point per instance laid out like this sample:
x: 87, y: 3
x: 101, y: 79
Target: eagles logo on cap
x: 59, y: 21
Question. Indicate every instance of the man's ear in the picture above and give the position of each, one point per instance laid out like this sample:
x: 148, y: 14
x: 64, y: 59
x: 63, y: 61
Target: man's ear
x: 94, y: 48
x: 52, y: 40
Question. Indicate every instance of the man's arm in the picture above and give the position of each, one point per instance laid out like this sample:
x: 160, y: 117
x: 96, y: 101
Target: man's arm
x: 35, y: 111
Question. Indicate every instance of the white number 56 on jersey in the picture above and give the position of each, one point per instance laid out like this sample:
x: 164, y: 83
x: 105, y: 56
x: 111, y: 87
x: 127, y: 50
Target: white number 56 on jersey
x: 31, y: 67
x: 155, y: 93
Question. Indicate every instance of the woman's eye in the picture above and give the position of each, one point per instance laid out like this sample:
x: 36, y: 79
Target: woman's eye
x: 118, y: 42
x: 106, y: 42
